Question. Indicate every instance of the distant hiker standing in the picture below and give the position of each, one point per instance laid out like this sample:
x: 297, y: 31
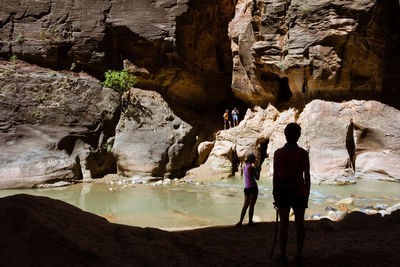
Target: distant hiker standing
x: 235, y: 118
x: 291, y: 188
x: 251, y: 175
x: 226, y: 120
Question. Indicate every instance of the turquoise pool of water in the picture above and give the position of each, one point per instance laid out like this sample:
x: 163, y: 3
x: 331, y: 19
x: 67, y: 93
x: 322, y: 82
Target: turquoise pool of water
x: 181, y: 205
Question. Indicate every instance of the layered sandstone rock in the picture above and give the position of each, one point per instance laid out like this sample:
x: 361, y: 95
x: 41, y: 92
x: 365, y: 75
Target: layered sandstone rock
x: 251, y: 136
x: 356, y: 139
x: 181, y: 47
x: 48, y: 122
x: 150, y: 139
x: 328, y: 137
x: 345, y: 141
x: 298, y: 50
x: 376, y: 131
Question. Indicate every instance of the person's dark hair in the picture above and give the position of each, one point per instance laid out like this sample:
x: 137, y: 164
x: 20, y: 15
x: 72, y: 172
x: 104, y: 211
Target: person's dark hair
x: 250, y: 158
x: 292, y: 132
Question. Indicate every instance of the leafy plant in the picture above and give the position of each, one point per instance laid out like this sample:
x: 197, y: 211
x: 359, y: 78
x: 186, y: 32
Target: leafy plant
x: 120, y: 81
x: 107, y: 147
x: 20, y: 38
x: 50, y: 34
x: 282, y: 65
x: 13, y: 58
x: 305, y: 8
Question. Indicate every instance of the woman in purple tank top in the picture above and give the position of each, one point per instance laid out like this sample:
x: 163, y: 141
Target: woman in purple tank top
x: 251, y: 174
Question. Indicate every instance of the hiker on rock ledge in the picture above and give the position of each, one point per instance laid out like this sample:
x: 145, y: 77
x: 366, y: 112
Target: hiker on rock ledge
x: 235, y: 118
x: 227, y: 122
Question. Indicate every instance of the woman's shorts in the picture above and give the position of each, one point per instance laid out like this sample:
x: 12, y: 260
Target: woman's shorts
x: 235, y: 117
x: 251, y: 190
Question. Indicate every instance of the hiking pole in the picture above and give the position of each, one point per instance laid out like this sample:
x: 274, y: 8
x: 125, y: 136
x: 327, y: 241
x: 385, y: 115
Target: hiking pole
x: 276, y: 232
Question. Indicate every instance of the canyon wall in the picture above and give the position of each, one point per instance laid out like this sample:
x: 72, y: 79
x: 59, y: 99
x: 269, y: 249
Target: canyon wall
x: 51, y: 124
x: 179, y: 48
x: 291, y: 51
x: 200, y: 57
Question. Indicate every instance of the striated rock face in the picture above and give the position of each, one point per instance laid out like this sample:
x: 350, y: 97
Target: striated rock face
x: 179, y: 48
x: 356, y: 139
x: 254, y: 134
x: 376, y: 131
x: 327, y: 136
x: 345, y: 141
x: 293, y: 51
x: 48, y: 121
x: 150, y: 139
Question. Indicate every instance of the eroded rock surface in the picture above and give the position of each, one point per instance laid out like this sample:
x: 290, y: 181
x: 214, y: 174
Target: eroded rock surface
x: 48, y: 121
x: 250, y: 136
x: 356, y: 139
x: 345, y: 141
x: 298, y: 50
x: 180, y: 47
x: 150, y: 139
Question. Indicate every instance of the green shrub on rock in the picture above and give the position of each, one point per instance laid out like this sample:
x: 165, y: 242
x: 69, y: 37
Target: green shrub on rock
x: 119, y: 81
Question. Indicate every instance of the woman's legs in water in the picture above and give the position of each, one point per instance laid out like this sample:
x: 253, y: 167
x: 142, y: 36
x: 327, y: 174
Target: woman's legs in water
x: 284, y: 224
x: 300, y: 232
x: 244, y: 209
x: 253, y: 200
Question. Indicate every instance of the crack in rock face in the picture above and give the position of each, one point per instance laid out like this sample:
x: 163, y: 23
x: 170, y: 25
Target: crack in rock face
x: 332, y: 50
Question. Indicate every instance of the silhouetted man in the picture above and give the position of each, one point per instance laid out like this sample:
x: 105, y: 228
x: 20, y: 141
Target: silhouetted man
x: 291, y: 183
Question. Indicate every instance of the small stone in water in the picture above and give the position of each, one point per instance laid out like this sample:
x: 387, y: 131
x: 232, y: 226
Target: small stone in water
x: 346, y: 201
x: 316, y: 216
x: 344, y: 208
x: 340, y: 215
x: 371, y: 212
x: 380, y: 207
x: 330, y: 208
x: 393, y: 208
x: 332, y: 215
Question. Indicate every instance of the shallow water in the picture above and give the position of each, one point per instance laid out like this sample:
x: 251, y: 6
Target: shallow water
x: 181, y: 205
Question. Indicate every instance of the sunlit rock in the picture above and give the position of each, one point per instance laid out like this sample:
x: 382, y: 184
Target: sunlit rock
x: 150, y: 139
x: 44, y: 116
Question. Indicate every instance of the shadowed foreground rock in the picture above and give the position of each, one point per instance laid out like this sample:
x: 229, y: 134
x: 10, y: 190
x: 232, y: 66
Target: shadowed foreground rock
x: 39, y: 231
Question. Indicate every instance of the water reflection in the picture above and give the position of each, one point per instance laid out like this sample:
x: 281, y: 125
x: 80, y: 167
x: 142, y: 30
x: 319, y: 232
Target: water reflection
x: 192, y: 205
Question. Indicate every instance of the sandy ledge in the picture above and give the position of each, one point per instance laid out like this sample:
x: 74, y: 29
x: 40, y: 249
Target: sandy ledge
x: 40, y: 231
